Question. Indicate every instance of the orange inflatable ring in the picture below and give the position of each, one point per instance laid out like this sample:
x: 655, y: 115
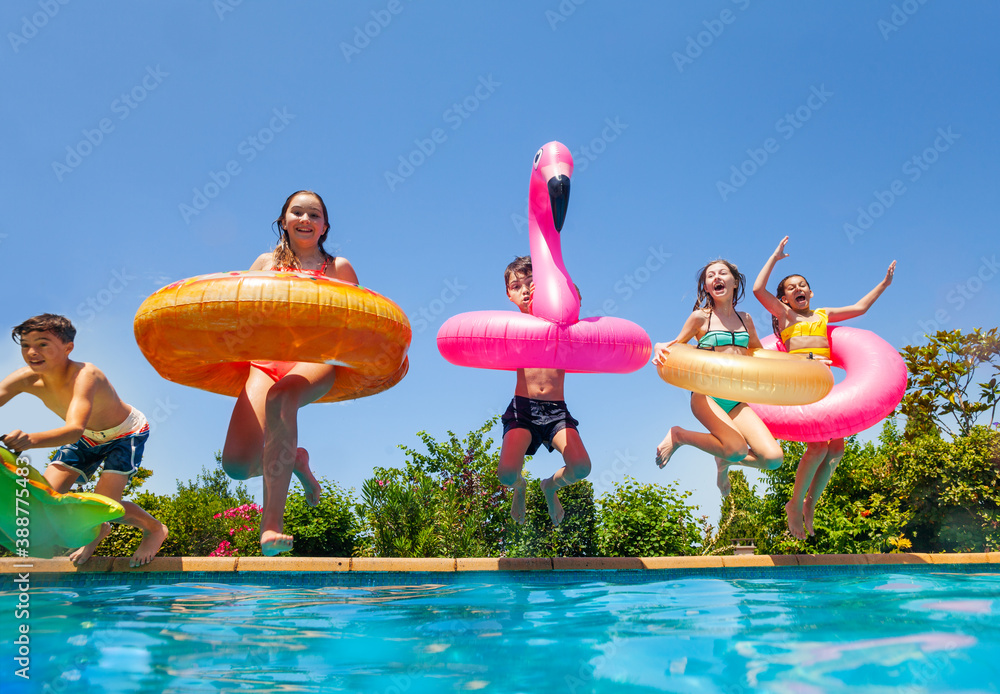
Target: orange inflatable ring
x: 205, y: 331
x: 764, y: 377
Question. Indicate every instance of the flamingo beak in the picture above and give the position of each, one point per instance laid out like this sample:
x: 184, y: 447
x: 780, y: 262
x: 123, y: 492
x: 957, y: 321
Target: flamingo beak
x: 559, y: 198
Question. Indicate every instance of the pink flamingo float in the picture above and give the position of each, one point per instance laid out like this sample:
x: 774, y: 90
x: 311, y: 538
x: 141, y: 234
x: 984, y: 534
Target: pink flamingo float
x: 553, y: 336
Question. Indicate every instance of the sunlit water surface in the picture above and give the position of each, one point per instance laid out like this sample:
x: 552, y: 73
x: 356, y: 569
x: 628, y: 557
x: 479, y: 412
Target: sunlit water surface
x: 786, y: 630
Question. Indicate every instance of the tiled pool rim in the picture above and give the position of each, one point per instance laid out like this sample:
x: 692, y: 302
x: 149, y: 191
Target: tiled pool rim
x: 716, y: 564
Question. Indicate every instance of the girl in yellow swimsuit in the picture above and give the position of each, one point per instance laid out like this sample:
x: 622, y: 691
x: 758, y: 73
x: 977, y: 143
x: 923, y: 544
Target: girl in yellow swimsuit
x: 736, y: 436
x: 802, y: 330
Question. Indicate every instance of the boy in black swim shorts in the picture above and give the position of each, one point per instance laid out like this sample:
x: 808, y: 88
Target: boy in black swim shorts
x: 537, y: 416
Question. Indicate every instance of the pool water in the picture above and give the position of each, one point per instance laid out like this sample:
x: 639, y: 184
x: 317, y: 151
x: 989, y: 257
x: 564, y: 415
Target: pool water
x: 857, y: 629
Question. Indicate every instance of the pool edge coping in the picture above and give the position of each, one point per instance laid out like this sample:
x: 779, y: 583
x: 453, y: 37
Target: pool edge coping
x: 62, y: 565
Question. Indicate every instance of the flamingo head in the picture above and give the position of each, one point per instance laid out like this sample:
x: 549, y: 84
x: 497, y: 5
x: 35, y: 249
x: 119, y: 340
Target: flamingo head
x: 550, y: 174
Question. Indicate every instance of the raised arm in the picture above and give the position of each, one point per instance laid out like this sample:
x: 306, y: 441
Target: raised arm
x: 862, y: 306
x: 690, y: 329
x: 768, y: 300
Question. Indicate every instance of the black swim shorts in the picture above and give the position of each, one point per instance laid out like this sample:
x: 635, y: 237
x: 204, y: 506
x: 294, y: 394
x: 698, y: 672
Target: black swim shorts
x: 543, y: 418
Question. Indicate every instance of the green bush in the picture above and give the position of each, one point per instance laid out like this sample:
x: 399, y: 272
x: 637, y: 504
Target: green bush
x: 952, y: 489
x: 445, y: 503
x: 575, y: 536
x: 328, y: 530
x: 189, y: 516
x: 646, y: 520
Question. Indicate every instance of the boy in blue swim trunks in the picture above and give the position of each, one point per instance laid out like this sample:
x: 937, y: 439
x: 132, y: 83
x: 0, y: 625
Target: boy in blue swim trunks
x: 537, y: 416
x: 99, y: 427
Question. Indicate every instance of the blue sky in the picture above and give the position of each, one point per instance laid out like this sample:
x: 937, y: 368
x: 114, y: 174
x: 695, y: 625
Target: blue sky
x: 149, y: 142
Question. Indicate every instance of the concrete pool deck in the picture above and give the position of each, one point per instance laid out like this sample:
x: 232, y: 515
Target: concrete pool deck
x: 9, y: 565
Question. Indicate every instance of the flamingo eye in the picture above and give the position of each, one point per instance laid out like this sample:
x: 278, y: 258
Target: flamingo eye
x: 538, y: 156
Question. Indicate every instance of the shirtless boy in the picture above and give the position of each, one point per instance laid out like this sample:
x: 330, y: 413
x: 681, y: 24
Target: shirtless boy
x: 537, y: 416
x: 99, y: 427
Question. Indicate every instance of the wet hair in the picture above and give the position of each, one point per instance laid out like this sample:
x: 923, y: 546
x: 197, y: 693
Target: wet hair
x: 283, y: 255
x: 45, y: 323
x: 780, y: 294
x: 520, y: 266
x: 704, y: 299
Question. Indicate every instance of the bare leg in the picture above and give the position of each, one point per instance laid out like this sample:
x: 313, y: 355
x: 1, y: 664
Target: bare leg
x: 577, y: 467
x: 154, y: 533
x: 310, y: 485
x: 515, y: 444
x: 668, y: 446
x: 81, y: 555
x: 835, y: 451
x: 722, y: 476
x: 804, y: 475
x: 302, y: 385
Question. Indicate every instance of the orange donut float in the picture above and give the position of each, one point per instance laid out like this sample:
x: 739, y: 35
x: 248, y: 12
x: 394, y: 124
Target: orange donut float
x: 204, y: 331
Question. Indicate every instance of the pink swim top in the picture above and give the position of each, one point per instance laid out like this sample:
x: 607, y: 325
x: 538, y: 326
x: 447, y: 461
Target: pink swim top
x: 279, y: 369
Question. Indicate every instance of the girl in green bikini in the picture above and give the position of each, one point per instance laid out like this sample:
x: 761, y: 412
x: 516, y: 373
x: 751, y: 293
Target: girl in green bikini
x: 735, y: 436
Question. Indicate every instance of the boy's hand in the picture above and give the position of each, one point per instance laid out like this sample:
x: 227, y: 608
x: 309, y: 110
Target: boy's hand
x: 531, y: 296
x: 17, y: 441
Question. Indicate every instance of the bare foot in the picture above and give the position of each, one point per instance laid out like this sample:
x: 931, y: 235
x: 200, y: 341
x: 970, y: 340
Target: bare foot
x: 310, y: 485
x: 517, y: 501
x: 667, y: 447
x: 272, y: 543
x: 556, y: 512
x: 723, y: 476
x: 808, y: 511
x: 150, y: 545
x: 84, y: 553
x: 795, y: 520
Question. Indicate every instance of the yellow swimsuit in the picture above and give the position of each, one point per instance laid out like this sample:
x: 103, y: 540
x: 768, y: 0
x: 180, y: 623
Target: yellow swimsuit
x: 816, y: 328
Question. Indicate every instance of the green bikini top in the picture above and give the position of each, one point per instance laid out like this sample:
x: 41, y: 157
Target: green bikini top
x: 725, y: 338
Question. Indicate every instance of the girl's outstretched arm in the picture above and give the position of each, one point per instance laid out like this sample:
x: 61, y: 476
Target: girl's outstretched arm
x: 691, y: 328
x: 860, y: 308
x: 768, y: 300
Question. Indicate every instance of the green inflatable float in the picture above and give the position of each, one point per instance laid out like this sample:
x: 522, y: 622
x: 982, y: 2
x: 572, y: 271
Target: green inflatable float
x: 38, y: 521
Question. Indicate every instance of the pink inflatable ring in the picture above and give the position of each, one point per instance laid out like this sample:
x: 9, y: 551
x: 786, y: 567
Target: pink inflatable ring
x: 553, y: 336
x: 874, y: 385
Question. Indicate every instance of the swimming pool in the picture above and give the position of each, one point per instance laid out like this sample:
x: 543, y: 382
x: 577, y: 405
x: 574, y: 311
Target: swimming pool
x: 827, y: 629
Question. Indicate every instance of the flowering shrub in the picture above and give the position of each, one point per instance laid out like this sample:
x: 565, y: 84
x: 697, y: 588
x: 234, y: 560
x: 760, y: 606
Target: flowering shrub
x: 243, y: 526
